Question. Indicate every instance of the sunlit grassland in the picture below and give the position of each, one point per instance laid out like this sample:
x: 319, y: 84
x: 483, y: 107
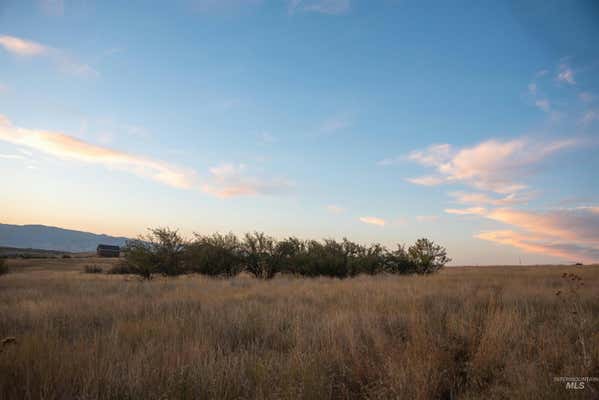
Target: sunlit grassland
x: 496, y: 333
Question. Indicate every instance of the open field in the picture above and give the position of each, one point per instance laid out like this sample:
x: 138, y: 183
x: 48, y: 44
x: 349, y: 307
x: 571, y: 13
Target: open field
x: 467, y: 333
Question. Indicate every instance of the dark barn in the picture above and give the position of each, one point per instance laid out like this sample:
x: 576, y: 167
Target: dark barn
x: 106, y: 250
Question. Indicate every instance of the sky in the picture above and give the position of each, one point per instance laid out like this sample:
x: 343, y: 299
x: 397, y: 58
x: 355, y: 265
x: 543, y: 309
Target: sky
x: 474, y: 124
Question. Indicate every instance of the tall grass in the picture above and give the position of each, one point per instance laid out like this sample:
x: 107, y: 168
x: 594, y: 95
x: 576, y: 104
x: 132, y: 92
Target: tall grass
x: 495, y: 333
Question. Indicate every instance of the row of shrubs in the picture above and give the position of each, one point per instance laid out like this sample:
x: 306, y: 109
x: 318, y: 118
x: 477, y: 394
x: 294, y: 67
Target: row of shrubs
x: 165, y: 251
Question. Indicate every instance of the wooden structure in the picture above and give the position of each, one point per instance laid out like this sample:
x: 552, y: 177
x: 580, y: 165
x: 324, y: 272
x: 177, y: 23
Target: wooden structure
x: 106, y: 250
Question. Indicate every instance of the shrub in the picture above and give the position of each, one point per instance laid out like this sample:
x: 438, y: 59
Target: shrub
x: 260, y: 256
x: 92, y: 269
x: 161, y: 251
x: 323, y: 259
x: 121, y: 268
x: 165, y: 252
x: 3, y: 267
x: 427, y: 256
x: 66, y: 256
x: 372, y: 259
x: 214, y: 255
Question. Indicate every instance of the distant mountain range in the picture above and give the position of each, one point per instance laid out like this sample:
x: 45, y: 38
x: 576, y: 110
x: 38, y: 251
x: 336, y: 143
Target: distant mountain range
x: 53, y: 238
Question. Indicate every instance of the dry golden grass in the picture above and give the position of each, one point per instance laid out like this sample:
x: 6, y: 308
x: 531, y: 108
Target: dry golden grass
x: 467, y: 333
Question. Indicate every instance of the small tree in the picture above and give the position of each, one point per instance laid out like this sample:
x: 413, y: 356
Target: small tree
x: 161, y: 251
x: 399, y: 261
x: 289, y: 253
x: 372, y: 260
x: 260, y: 256
x: 214, y: 255
x: 427, y: 256
x: 263, y: 256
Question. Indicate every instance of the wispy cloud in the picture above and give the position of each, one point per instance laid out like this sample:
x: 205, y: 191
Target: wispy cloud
x: 331, y: 7
x: 231, y: 180
x: 543, y: 104
x: 373, y: 221
x: 571, y: 233
x: 22, y: 47
x: 426, y: 180
x: 533, y: 244
x: 434, y: 155
x: 577, y: 225
x: 335, y: 209
x: 566, y: 74
x: 466, y: 211
x: 485, y: 199
x: 227, y: 180
x: 492, y: 165
x: 223, y: 5
x: 67, y: 147
x: 427, y: 218
x: 335, y: 123
x: 27, y: 48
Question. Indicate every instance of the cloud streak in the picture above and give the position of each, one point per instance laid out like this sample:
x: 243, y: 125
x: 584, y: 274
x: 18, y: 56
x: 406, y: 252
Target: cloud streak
x: 232, y: 180
x: 373, y: 221
x: 67, y: 147
x: 466, y: 211
x: 331, y: 7
x: 22, y: 47
x: 335, y: 209
x: 484, y: 199
x: 227, y: 180
x: 27, y: 48
x: 571, y: 234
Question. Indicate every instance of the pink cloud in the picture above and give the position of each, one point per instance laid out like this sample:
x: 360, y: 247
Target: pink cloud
x: 27, y: 48
x: 67, y: 147
x: 579, y: 225
x: 373, y: 221
x: 426, y: 180
x: 22, y: 47
x: 467, y: 211
x: 566, y: 233
x: 492, y: 165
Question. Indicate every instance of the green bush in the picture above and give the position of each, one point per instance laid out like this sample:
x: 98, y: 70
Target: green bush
x: 260, y: 255
x: 214, y: 255
x: 427, y: 256
x: 164, y: 251
x: 159, y: 252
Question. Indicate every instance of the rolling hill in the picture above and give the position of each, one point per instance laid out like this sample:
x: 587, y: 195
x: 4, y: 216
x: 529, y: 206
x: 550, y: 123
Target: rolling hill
x: 53, y: 238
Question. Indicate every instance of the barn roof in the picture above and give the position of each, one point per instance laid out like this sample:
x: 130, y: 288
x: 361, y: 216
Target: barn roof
x: 108, y: 247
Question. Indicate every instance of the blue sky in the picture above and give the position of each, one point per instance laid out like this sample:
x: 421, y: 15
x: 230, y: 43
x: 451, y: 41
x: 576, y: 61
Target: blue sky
x: 472, y: 124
